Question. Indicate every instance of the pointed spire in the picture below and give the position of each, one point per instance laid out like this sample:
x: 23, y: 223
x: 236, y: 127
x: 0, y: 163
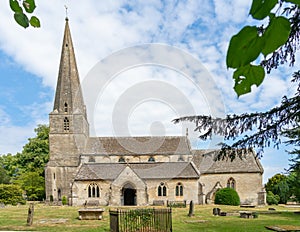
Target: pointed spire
x: 68, y: 97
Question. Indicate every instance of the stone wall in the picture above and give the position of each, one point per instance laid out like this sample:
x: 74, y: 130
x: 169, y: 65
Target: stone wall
x: 189, y: 190
x: 80, y: 192
x: 247, y: 185
x: 146, y: 192
x: 59, y: 181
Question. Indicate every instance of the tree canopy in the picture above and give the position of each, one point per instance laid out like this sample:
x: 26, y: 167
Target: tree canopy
x: 278, y: 42
x: 259, y: 129
x: 26, y: 169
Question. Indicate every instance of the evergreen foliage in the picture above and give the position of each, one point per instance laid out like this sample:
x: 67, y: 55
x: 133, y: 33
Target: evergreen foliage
x: 294, y: 184
x: 4, y: 177
x: 11, y: 194
x: 227, y: 196
x: 279, y: 185
x: 26, y: 169
x: 294, y: 177
x: 272, y: 199
x: 64, y: 200
x: 33, y: 184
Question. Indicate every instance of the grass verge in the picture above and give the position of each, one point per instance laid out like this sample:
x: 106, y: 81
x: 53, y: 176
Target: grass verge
x: 65, y: 218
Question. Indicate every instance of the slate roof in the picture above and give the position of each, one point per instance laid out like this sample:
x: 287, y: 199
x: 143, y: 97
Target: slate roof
x: 156, y: 170
x: 138, y: 145
x: 205, y: 163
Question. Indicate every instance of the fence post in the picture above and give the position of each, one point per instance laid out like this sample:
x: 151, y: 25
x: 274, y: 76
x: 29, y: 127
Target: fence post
x: 114, y: 220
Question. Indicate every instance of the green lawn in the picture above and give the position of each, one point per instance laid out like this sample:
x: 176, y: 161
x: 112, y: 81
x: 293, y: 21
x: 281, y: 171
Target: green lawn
x: 53, y: 218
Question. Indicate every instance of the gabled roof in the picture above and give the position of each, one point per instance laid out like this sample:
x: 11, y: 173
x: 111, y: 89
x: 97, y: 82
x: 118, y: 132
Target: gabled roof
x: 157, y: 145
x: 206, y: 164
x: 110, y: 171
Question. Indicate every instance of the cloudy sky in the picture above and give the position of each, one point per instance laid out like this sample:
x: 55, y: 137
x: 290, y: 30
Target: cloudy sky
x: 184, y: 73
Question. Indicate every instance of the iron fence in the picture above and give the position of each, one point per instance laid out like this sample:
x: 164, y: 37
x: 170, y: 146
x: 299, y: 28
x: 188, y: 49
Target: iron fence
x: 141, y: 220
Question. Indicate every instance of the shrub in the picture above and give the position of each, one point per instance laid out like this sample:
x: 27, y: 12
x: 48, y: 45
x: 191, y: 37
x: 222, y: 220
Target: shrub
x: 11, y: 194
x: 227, y: 196
x: 64, y: 200
x: 272, y: 199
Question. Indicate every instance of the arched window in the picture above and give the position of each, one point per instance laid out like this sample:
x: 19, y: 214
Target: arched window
x: 179, y: 190
x: 162, y: 190
x: 93, y: 190
x: 66, y: 107
x: 151, y: 159
x: 231, y: 183
x: 66, y: 124
x: 121, y: 160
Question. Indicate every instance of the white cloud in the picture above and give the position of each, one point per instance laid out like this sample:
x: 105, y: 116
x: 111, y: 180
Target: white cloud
x: 12, y: 137
x: 99, y: 28
x: 231, y: 11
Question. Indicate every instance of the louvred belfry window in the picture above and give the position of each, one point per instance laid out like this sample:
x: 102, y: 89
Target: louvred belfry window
x: 66, y: 124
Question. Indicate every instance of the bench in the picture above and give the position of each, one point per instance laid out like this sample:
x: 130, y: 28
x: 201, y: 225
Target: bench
x: 90, y: 214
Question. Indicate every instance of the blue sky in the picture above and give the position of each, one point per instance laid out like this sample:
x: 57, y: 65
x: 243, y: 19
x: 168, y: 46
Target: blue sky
x: 30, y: 58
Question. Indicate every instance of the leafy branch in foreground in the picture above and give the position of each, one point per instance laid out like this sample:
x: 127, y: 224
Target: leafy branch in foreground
x: 277, y: 42
x: 18, y: 7
x: 266, y: 127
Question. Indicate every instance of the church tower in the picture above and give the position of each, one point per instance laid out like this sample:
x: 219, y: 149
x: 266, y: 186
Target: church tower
x: 69, y: 129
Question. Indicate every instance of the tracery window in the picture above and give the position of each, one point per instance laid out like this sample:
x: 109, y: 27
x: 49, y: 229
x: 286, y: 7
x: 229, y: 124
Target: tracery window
x: 66, y: 124
x: 179, y: 190
x: 93, y: 190
x: 162, y: 190
x: 231, y: 183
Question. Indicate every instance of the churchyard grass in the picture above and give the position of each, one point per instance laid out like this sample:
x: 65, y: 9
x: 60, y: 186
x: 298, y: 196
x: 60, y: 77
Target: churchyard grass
x: 65, y: 218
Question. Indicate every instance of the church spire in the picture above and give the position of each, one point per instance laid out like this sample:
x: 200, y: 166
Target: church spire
x: 68, y: 97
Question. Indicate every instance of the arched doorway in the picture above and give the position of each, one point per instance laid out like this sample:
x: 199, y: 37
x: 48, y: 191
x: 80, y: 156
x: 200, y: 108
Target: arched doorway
x: 59, y: 194
x: 210, y: 198
x: 129, y: 195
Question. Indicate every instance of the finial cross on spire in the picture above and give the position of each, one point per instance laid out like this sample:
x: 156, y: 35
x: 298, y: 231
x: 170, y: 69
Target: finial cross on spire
x: 66, y: 11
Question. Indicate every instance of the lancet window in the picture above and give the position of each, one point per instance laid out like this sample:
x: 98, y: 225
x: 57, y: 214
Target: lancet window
x: 93, y: 190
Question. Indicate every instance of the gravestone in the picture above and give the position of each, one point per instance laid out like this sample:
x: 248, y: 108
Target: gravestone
x: 191, y: 209
x: 30, y: 214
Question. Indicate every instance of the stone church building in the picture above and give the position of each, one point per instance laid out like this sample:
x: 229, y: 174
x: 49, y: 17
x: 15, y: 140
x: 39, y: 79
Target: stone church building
x: 105, y: 170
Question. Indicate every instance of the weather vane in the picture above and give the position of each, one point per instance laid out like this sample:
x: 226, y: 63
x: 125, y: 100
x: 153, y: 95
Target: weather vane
x: 66, y: 11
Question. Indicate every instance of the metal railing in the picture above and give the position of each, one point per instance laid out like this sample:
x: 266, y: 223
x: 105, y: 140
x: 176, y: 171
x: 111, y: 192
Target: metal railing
x: 141, y: 220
